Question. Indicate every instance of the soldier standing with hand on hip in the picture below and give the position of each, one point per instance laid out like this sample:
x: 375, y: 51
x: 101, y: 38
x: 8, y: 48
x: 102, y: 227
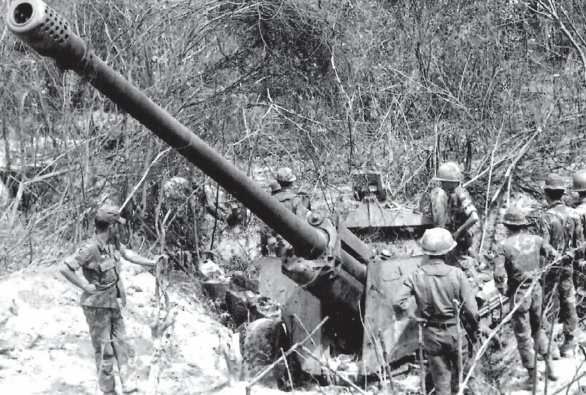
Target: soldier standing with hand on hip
x: 435, y: 286
x: 99, y: 259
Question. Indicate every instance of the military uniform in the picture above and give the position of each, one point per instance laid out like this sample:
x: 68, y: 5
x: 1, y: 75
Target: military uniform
x: 579, y: 274
x: 451, y: 211
x: 517, y: 259
x: 560, y: 226
x: 100, y: 264
x: 435, y: 285
x: 298, y: 203
x: 292, y: 201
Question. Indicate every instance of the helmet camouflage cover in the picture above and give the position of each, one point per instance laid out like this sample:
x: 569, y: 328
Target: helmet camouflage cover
x: 449, y: 171
x: 437, y: 241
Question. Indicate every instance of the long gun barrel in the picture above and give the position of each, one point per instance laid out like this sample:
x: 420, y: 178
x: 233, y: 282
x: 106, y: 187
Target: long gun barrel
x: 37, y: 25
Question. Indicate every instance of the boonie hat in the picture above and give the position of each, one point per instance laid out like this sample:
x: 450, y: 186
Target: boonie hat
x: 514, y: 216
x: 109, y: 213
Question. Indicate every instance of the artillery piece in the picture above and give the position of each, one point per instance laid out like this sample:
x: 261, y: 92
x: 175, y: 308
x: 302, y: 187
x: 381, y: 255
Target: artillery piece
x: 329, y: 272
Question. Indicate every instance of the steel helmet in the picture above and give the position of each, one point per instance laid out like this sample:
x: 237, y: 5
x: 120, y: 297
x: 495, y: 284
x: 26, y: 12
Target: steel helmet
x: 437, y: 241
x: 515, y: 216
x: 579, y: 184
x: 449, y: 171
x: 554, y: 182
x: 285, y: 174
x: 275, y: 186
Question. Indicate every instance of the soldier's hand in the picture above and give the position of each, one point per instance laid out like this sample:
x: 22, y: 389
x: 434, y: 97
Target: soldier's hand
x: 159, y: 258
x: 90, y: 288
x: 122, y: 301
x: 502, y: 288
x: 455, y: 235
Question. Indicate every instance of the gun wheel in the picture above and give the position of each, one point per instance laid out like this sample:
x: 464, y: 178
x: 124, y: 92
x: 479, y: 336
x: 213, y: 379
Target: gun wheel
x: 262, y: 346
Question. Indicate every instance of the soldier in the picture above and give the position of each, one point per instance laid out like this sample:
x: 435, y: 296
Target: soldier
x: 452, y: 206
x: 517, y: 262
x: 579, y: 185
x: 267, y: 235
x: 560, y: 226
x: 435, y: 286
x: 452, y: 209
x: 99, y: 259
x: 297, y: 203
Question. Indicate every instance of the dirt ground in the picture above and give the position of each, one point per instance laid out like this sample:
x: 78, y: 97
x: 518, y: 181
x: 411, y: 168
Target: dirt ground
x: 45, y: 346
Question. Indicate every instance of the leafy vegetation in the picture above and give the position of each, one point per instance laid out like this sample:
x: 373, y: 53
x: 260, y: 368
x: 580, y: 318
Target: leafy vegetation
x: 324, y: 86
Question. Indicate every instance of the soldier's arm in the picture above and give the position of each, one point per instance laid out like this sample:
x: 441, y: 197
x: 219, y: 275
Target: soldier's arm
x: 69, y: 267
x: 469, y: 210
x: 403, y: 295
x: 138, y: 259
x: 546, y: 250
x: 544, y: 226
x: 469, y: 305
x: 578, y: 230
x: 500, y: 272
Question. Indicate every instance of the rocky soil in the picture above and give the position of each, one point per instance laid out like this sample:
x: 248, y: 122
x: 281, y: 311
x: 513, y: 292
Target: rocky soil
x: 45, y: 346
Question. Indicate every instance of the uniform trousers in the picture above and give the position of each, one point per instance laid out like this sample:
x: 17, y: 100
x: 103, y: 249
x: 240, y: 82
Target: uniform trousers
x: 527, y: 325
x: 107, y: 331
x: 441, y: 347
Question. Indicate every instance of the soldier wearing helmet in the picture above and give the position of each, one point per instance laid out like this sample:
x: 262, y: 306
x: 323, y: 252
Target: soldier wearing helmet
x: 99, y: 259
x: 452, y: 206
x: 579, y: 185
x: 517, y: 262
x: 296, y: 203
x: 560, y: 226
x: 267, y: 235
x: 435, y: 286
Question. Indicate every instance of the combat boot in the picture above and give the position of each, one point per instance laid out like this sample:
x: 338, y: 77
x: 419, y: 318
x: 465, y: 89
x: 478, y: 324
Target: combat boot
x: 527, y: 385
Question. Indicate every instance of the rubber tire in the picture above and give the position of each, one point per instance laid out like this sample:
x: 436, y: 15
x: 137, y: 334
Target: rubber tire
x: 262, y: 346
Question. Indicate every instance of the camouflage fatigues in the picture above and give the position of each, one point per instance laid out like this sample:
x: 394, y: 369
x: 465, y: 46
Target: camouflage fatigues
x: 518, y: 259
x: 435, y: 285
x: 100, y: 266
x: 560, y: 226
x: 581, y: 211
x: 106, y: 324
x: 298, y: 204
x: 450, y: 211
